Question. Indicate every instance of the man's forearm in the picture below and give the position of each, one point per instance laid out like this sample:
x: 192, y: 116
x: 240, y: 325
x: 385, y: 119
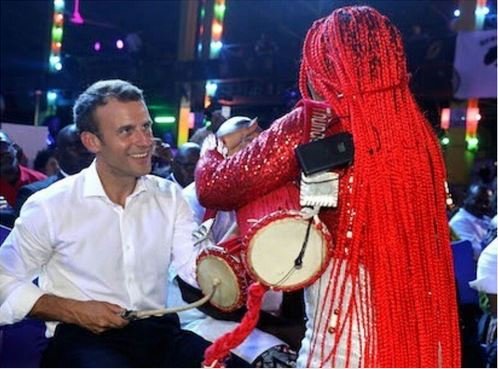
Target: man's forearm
x: 96, y: 316
x: 54, y: 308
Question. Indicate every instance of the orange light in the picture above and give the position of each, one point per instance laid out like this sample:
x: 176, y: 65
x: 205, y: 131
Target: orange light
x: 217, y: 29
x: 472, y: 121
x: 58, y: 19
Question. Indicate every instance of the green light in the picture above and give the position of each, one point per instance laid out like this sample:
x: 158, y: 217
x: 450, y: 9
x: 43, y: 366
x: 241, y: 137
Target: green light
x: 167, y: 119
x: 472, y: 143
x: 219, y: 11
x: 56, y: 34
x: 445, y: 141
x: 203, y: 13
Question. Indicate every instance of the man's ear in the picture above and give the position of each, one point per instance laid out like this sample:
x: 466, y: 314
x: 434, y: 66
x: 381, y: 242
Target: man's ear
x: 91, y: 141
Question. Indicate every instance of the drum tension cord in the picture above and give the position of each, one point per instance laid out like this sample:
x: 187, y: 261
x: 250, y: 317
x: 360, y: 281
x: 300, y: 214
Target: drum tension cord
x: 298, y: 263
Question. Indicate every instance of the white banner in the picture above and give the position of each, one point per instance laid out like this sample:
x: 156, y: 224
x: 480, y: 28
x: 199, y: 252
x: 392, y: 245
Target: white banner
x: 475, y: 64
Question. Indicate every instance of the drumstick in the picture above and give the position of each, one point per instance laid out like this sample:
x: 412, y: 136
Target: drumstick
x: 143, y: 314
x: 229, y: 233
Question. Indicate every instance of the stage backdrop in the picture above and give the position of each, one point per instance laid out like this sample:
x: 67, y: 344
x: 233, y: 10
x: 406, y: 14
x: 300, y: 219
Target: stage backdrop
x: 32, y: 139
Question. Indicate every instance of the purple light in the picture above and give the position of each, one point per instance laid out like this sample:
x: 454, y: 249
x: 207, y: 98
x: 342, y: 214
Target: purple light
x: 119, y: 44
x: 97, y: 46
x: 77, y: 18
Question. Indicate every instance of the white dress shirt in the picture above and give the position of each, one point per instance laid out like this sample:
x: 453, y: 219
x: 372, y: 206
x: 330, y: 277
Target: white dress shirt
x: 85, y: 247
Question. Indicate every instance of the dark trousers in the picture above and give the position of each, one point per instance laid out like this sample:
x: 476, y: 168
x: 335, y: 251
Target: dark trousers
x: 152, y: 342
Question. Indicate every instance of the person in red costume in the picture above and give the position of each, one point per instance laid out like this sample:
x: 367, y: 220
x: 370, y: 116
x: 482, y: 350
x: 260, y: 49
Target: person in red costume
x: 387, y: 297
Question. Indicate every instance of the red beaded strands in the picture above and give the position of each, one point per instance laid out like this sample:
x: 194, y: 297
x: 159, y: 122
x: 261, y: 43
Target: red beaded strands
x: 392, y: 223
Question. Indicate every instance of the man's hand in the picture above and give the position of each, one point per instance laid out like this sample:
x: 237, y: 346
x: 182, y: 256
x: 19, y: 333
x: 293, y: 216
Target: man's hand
x: 96, y: 316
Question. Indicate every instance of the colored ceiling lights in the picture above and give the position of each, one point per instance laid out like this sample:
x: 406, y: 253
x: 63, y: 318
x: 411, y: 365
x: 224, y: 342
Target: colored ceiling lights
x: 54, y: 61
x: 217, y: 29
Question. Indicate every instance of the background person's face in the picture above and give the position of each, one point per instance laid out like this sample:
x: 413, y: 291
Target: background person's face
x: 73, y: 156
x: 8, y: 159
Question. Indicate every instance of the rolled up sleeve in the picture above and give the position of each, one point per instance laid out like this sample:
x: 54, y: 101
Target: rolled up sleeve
x: 22, y: 256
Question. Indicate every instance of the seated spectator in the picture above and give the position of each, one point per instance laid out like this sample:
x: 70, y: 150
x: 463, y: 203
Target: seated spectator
x: 162, y: 157
x: 216, y: 121
x: 72, y: 157
x: 12, y: 174
x: 46, y: 162
x: 486, y: 283
x: 183, y: 165
x: 101, y: 243
x: 472, y: 220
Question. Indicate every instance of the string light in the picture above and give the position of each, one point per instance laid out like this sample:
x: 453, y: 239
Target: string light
x: 54, y: 59
x: 217, y: 29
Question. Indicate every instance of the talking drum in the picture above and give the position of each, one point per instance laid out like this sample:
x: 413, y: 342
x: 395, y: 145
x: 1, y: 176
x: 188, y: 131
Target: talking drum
x: 286, y: 252
x: 223, y: 262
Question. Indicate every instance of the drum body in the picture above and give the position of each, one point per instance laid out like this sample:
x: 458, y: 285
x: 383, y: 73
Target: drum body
x: 285, y: 252
x: 224, y: 263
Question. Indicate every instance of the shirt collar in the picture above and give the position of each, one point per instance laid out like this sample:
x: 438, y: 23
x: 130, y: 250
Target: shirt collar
x: 93, y: 186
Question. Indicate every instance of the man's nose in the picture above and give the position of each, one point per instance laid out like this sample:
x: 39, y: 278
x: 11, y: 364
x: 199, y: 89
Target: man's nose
x: 145, y: 139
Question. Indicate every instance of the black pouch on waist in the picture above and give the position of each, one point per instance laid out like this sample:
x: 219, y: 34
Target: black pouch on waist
x: 326, y: 153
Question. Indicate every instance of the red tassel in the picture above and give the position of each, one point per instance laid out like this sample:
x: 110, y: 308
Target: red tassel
x: 219, y: 350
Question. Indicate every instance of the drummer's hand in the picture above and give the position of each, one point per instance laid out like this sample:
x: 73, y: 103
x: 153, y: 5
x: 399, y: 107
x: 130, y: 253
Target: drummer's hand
x: 234, y: 142
x: 98, y: 316
x: 209, y: 143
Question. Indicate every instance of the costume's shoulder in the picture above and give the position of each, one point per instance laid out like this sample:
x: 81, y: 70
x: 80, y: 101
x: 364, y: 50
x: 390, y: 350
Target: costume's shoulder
x: 295, y: 115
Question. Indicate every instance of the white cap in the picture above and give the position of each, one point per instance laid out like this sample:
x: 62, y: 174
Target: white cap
x: 486, y: 269
x: 234, y: 124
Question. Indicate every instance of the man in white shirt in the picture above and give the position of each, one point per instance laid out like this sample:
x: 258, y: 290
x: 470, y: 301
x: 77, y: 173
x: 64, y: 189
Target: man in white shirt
x: 472, y: 220
x: 101, y: 242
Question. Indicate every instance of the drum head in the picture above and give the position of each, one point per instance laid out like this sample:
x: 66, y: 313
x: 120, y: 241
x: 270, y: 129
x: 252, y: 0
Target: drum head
x: 274, y: 246
x: 228, y: 295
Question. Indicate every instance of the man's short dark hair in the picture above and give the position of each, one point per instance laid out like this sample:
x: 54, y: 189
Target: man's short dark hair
x: 99, y: 94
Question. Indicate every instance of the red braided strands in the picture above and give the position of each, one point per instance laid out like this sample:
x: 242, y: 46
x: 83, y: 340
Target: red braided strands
x: 394, y: 207
x: 215, y: 355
